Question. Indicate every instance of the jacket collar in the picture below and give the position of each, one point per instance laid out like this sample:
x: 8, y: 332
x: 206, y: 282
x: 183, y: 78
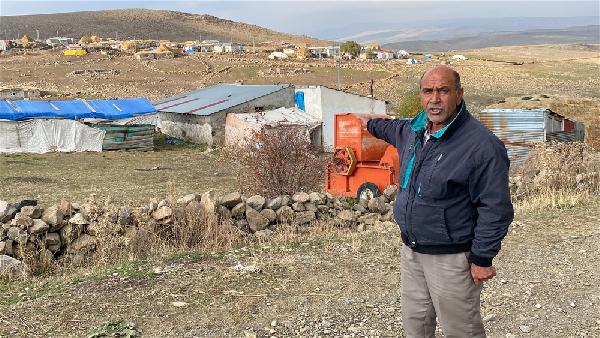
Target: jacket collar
x: 420, y: 121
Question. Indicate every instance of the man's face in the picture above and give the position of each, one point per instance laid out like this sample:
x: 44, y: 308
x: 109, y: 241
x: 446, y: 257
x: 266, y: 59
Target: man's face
x: 439, y: 96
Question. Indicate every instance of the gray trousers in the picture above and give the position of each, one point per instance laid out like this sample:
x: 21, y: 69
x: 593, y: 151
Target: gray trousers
x: 439, y: 285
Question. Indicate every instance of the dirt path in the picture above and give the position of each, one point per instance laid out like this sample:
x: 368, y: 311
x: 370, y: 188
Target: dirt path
x: 330, y: 286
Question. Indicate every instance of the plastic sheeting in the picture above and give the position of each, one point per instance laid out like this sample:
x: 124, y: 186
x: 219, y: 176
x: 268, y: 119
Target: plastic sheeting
x: 43, y: 136
x: 75, y: 109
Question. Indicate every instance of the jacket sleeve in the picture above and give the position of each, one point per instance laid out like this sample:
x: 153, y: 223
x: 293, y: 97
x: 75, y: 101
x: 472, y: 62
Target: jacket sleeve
x: 387, y: 130
x: 489, y: 191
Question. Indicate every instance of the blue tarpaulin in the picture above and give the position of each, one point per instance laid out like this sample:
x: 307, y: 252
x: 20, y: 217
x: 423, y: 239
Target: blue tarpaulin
x: 75, y: 109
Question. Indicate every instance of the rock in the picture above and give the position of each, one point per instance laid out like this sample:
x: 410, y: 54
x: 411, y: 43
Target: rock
x: 209, y: 202
x: 21, y: 220
x: 256, y: 202
x: 285, y: 214
x: 346, y: 215
x: 489, y: 318
x: 162, y: 213
x: 83, y: 245
x: 263, y: 234
x: 256, y: 221
x: 359, y: 208
x: 39, y: 227
x: 243, y: 225
x: 389, y: 216
x: 390, y: 192
x: 69, y: 233
x: 231, y: 200
x: 8, y: 247
x: 378, y: 205
x: 53, y: 217
x: 17, y: 235
x: 2, y: 247
x: 194, y: 210
x: 13, y: 268
x: 93, y: 229
x: 65, y: 208
x: 78, y: 219
x: 7, y: 211
x: 315, y: 198
x: 125, y: 216
x: 310, y: 207
x: 524, y: 328
x: 163, y: 203
x: 223, y: 212
x: 239, y: 210
x: 183, y: 201
x: 285, y: 200
x: 32, y: 211
x: 298, y: 206
x: 323, y: 208
x: 301, y: 197
x: 304, y: 217
x: 361, y: 227
x: 269, y: 214
x: 179, y: 304
x: 275, y: 203
x: 52, y: 238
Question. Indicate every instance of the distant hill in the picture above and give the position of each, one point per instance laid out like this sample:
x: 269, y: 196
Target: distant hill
x: 142, y: 24
x: 583, y: 34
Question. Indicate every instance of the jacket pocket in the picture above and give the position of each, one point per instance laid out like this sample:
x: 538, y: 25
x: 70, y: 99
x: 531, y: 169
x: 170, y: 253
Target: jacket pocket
x: 429, y: 224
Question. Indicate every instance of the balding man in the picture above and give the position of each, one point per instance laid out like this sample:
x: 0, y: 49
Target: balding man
x: 453, y: 208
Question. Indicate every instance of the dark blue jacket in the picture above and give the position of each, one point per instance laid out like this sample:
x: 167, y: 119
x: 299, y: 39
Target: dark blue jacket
x: 453, y: 191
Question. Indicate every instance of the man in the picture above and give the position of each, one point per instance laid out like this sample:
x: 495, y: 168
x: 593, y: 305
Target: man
x: 453, y: 207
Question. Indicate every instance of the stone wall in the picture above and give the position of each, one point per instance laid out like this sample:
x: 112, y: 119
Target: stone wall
x: 73, y: 229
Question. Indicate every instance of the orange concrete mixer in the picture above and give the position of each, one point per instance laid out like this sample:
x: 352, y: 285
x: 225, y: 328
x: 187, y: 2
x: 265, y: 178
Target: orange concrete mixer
x: 362, y: 165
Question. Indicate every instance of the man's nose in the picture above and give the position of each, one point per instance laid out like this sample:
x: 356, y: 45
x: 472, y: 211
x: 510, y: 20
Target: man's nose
x: 435, y: 96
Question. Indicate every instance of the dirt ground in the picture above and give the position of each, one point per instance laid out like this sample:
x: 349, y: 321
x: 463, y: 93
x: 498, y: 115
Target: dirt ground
x: 328, y: 284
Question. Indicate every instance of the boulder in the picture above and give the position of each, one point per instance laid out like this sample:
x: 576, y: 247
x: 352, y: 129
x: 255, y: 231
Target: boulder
x: 269, y: 214
x: 38, y: 227
x: 17, y: 235
x: 163, y: 203
x: 223, y: 212
x: 285, y: 200
x: 390, y: 192
x: 125, y: 216
x: 83, y: 245
x: 69, y: 233
x: 256, y: 202
x: 183, y: 201
x: 52, y: 238
x: 275, y: 203
x: 21, y: 220
x: 65, y: 208
x: 32, y: 211
x: 378, y: 205
x: 162, y: 213
x: 256, y: 221
x: 7, y: 211
x: 369, y: 219
x: 310, y: 207
x: 298, y: 206
x: 8, y: 247
x: 2, y: 247
x: 92, y: 229
x: 358, y: 207
x: 315, y: 198
x: 346, y: 215
x: 78, y: 219
x: 53, y: 217
x: 239, y: 210
x: 12, y: 268
x: 301, y: 197
x: 231, y: 200
x: 194, y: 210
x: 323, y: 209
x: 304, y: 217
x: 243, y: 225
x: 209, y: 202
x: 285, y: 214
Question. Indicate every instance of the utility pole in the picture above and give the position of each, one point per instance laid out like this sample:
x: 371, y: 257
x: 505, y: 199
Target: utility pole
x: 37, y: 32
x: 337, y: 66
x: 253, y: 46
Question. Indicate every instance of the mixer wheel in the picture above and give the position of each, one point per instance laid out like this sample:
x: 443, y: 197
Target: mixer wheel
x: 367, y: 191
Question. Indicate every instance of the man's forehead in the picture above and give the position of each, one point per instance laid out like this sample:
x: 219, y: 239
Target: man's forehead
x: 438, y: 78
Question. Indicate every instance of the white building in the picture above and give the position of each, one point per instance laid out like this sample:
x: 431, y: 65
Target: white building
x: 324, y: 103
x: 60, y: 41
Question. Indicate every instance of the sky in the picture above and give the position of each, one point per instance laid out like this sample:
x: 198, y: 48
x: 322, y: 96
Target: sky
x: 320, y: 18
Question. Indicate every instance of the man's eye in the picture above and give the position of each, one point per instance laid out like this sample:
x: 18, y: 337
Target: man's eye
x: 444, y: 90
x: 427, y: 91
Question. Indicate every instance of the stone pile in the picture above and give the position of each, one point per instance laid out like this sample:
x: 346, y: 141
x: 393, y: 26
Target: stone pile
x: 74, y: 230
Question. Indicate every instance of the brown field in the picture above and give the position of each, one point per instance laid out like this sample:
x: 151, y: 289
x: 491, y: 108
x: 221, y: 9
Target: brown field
x: 328, y: 282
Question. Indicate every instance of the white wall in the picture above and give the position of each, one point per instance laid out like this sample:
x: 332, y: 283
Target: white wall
x: 323, y: 103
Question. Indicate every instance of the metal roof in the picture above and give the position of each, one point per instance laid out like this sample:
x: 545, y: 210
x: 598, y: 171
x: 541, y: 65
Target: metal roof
x: 279, y: 116
x: 215, y: 98
x: 74, y: 109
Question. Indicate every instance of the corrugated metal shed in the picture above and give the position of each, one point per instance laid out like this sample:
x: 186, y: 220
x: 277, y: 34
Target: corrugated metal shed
x: 74, y: 109
x: 214, y: 99
x: 521, y: 129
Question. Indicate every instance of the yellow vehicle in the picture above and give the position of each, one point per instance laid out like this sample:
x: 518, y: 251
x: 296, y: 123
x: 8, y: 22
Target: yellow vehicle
x: 74, y: 52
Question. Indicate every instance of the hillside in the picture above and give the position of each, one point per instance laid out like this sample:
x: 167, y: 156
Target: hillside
x: 581, y: 34
x: 142, y: 24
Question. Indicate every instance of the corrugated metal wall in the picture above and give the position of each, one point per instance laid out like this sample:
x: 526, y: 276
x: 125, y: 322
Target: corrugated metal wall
x: 519, y: 129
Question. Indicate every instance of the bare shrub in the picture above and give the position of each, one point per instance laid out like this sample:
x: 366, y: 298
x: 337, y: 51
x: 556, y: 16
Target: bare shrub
x: 277, y: 161
x: 557, y: 175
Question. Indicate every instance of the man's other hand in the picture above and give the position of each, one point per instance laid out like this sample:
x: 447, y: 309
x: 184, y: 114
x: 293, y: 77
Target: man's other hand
x: 481, y: 274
